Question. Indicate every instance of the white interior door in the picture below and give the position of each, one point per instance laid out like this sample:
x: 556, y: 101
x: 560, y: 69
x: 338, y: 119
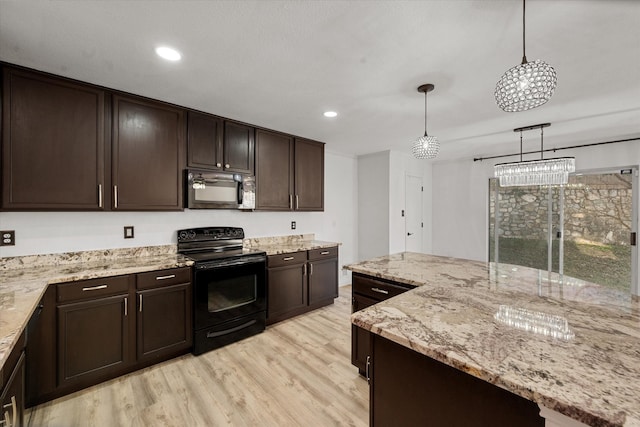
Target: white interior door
x: 413, y: 213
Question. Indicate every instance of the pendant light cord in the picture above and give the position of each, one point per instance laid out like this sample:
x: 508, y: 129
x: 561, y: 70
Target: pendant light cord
x: 524, y: 52
x: 541, y: 143
x: 425, y: 113
x: 521, y: 145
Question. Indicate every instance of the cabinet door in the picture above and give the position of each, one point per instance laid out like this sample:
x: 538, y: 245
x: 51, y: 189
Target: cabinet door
x: 323, y: 282
x: 164, y: 321
x: 274, y: 166
x: 41, y: 350
x: 93, y: 339
x: 147, y: 159
x: 204, y: 141
x: 309, y: 175
x: 360, y: 338
x: 53, y: 143
x: 12, y: 397
x: 238, y: 148
x: 286, y: 292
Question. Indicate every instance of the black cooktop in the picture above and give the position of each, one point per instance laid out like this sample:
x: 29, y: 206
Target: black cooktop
x: 219, y: 255
x: 211, y: 244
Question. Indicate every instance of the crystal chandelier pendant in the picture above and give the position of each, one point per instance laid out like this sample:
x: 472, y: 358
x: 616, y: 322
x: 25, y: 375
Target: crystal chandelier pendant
x: 426, y: 147
x: 535, y: 172
x: 526, y: 86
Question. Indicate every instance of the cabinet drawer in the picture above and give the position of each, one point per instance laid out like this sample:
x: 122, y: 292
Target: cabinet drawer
x: 159, y: 278
x: 377, y: 289
x: 285, y: 259
x: 323, y: 253
x: 93, y: 288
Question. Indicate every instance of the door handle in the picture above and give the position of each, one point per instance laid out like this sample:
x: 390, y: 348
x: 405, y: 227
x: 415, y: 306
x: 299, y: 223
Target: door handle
x: 140, y: 303
x: 409, y: 234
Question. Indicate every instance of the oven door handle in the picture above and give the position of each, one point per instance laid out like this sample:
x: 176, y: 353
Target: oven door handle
x: 230, y: 331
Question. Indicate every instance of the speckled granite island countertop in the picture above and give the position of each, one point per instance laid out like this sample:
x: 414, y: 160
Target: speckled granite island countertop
x: 23, y: 280
x: 467, y: 314
x: 287, y: 244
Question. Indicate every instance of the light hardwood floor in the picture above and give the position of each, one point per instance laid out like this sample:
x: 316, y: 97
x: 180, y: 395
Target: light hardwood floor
x: 296, y: 373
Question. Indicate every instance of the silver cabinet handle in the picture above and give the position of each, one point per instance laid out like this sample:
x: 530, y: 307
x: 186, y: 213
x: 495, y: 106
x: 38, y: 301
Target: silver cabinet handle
x: 368, y: 367
x: 115, y: 196
x: 296, y: 202
x: 304, y: 269
x: 324, y: 253
x: 126, y: 310
x: 14, y: 410
x: 290, y: 201
x: 226, y: 165
x: 310, y: 269
x: 218, y: 165
x: 99, y: 195
x: 380, y: 291
x: 170, y: 276
x: 287, y: 258
x: 140, y: 303
x: 94, y: 288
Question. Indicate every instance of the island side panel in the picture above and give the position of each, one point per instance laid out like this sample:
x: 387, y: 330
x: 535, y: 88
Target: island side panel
x: 409, y: 388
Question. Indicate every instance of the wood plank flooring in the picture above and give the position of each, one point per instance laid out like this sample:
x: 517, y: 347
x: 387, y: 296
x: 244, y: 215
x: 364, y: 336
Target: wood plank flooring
x: 296, y: 373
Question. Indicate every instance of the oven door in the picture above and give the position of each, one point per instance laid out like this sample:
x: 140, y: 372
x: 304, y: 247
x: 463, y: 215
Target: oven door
x: 229, y: 290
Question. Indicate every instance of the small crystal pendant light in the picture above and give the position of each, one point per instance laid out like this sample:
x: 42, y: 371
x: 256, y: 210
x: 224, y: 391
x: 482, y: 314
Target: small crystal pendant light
x: 426, y: 147
x: 525, y: 86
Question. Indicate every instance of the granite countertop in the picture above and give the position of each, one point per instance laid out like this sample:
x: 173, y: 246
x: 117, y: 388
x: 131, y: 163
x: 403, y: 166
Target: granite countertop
x: 468, y: 314
x: 287, y: 244
x: 24, y: 280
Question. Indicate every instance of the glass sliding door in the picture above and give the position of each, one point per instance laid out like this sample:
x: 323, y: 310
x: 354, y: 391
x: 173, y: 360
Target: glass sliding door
x: 582, y: 230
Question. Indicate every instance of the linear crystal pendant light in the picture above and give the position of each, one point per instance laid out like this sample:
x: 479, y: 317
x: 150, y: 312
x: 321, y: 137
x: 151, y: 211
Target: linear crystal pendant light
x: 535, y: 172
x: 427, y: 146
x: 525, y: 86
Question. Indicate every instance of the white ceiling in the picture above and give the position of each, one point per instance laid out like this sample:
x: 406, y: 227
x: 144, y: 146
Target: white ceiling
x: 280, y: 64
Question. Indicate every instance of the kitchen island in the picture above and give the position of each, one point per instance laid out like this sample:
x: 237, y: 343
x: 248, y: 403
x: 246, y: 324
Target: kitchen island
x: 570, y: 347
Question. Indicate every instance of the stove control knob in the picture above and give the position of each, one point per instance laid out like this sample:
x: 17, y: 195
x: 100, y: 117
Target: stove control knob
x: 182, y: 235
x: 192, y: 234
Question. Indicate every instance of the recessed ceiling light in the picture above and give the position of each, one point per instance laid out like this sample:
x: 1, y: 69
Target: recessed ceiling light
x: 168, y: 53
x: 330, y: 114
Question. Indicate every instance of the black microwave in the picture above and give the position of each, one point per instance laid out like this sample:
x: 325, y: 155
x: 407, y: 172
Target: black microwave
x: 219, y: 190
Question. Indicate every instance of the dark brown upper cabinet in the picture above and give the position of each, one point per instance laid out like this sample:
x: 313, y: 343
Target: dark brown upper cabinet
x: 289, y: 173
x: 53, y: 143
x: 216, y: 144
x: 239, y: 146
x: 147, y: 160
x: 204, y: 141
x: 309, y: 175
x: 274, y: 166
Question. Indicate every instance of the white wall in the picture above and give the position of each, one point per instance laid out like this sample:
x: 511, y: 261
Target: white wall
x: 460, y: 196
x: 373, y: 205
x: 55, y: 232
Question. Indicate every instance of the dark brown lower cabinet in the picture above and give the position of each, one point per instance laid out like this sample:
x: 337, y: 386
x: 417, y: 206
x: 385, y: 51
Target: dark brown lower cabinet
x: 367, y: 291
x: 94, y: 339
x: 286, y: 286
x: 12, y: 395
x: 323, y: 276
x: 93, y: 330
x: 301, y: 281
x: 411, y: 389
x: 164, y: 321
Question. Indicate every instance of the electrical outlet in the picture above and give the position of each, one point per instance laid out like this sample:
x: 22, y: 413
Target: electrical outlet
x: 8, y: 238
x: 293, y: 225
x: 128, y: 231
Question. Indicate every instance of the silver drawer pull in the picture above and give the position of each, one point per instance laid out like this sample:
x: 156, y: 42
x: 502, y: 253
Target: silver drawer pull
x: 380, y: 291
x: 324, y: 253
x: 94, y: 288
x: 287, y: 258
x: 170, y: 276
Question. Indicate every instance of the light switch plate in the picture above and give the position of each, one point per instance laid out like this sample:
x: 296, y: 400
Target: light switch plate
x: 128, y: 231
